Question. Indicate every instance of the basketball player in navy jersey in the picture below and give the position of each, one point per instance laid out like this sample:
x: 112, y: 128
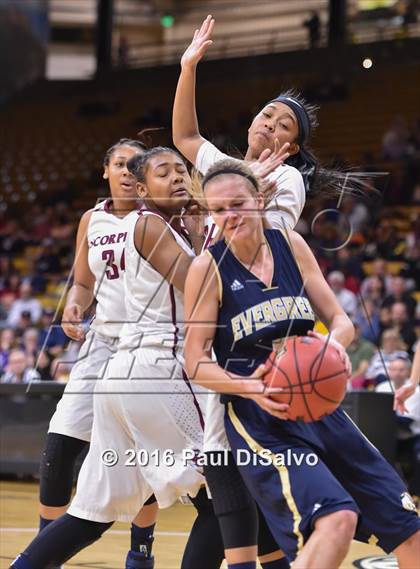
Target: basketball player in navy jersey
x: 98, y: 275
x: 251, y: 288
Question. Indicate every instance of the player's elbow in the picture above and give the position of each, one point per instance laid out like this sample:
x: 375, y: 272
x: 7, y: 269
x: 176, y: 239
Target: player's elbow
x: 191, y: 362
x: 187, y: 144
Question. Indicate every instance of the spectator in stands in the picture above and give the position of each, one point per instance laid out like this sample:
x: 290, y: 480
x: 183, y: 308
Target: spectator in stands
x: 63, y: 234
x: 399, y: 294
x: 412, y: 251
x: 381, y: 271
x: 24, y: 323
x: 9, y: 292
x: 368, y: 319
x: 387, y: 243
x: 411, y: 269
x: 6, y: 269
x: 51, y: 336
x: 26, y: 303
x: 374, y: 291
x: 10, y: 288
x: 360, y: 352
x: 349, y: 263
x: 354, y: 213
x: 395, y: 140
x: 48, y: 262
x: 346, y: 298
x: 401, y: 322
x: 38, y: 280
x: 313, y: 25
x: 30, y: 345
x: 3, y: 314
x: 409, y: 423
x: 41, y: 223
x: 392, y: 347
x: 18, y: 370
x: 8, y: 342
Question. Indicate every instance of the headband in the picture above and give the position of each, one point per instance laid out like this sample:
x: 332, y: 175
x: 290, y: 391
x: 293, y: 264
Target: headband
x: 304, y: 124
x: 304, y: 160
x: 231, y: 171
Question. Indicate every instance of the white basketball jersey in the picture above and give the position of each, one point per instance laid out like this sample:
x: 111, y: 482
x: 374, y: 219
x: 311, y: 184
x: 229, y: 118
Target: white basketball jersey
x: 155, y: 308
x: 107, y: 236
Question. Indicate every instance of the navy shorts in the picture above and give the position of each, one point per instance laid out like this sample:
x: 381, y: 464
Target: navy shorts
x: 298, y: 472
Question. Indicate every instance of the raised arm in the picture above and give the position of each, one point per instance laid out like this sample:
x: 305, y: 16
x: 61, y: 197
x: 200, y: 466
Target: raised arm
x: 201, y: 315
x: 80, y: 296
x: 185, y: 131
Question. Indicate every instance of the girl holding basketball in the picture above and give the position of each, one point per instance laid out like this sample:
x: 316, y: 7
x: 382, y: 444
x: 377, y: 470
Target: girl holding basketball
x: 251, y: 288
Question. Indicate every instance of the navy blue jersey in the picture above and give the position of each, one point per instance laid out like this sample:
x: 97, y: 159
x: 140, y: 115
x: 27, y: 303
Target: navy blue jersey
x: 297, y: 472
x: 253, y: 315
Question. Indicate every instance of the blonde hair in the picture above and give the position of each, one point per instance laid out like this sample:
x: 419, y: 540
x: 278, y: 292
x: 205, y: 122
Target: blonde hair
x: 226, y: 167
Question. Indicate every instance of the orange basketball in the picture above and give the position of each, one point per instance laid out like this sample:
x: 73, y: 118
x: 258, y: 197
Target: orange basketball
x: 312, y: 375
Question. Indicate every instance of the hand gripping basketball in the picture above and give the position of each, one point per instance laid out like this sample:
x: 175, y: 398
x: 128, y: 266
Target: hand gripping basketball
x: 312, y: 376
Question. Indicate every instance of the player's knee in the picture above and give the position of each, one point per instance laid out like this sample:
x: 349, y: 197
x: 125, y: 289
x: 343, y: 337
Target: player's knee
x: 57, y: 466
x: 339, y: 526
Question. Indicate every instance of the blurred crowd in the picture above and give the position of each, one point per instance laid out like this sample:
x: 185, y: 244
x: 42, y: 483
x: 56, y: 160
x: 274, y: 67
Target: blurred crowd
x: 367, y: 246
x: 35, y: 263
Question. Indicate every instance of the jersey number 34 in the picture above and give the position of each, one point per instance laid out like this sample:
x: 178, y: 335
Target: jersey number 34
x: 112, y: 271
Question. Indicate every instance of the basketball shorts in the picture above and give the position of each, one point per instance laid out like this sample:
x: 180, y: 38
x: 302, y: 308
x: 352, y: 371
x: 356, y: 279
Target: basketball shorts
x: 215, y: 438
x: 298, y: 472
x: 74, y: 413
x: 147, y: 421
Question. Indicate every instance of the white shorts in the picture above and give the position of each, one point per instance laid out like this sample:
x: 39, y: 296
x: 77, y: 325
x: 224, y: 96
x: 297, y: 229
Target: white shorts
x: 143, y: 406
x: 215, y: 438
x: 74, y: 413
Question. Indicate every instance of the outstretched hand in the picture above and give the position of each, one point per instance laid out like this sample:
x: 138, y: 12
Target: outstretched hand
x: 200, y: 43
x: 269, y: 160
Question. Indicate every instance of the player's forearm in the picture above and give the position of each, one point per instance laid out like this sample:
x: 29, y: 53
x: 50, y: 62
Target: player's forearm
x: 341, y: 329
x: 184, y: 116
x: 80, y: 295
x: 210, y: 375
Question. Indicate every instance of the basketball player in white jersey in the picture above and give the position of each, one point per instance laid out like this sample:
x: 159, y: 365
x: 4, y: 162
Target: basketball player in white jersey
x: 98, y: 275
x: 283, y: 128
x: 144, y: 409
